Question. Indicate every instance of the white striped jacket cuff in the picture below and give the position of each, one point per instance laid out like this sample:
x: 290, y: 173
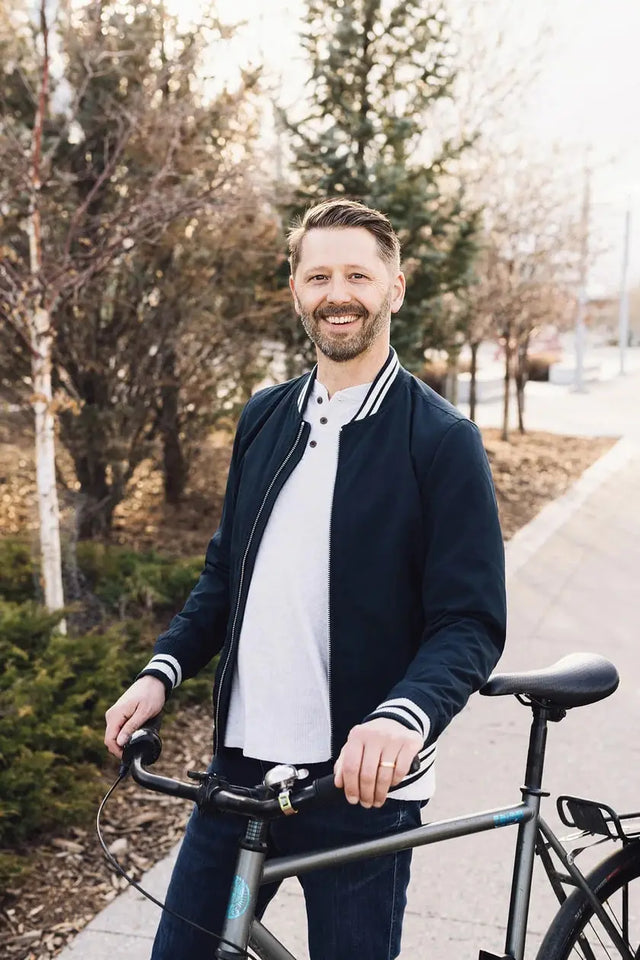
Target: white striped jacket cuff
x: 406, y: 712
x: 165, y: 667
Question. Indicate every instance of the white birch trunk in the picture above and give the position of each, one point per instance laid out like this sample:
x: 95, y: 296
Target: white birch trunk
x: 45, y: 463
x: 39, y: 326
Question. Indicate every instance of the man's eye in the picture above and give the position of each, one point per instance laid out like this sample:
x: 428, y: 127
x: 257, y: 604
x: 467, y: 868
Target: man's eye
x: 358, y: 276
x: 318, y: 276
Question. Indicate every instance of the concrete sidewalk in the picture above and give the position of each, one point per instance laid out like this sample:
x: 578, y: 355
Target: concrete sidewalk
x: 608, y: 407
x: 574, y: 585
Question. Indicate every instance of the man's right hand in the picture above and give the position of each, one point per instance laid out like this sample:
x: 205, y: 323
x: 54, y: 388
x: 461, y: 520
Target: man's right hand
x: 144, y: 699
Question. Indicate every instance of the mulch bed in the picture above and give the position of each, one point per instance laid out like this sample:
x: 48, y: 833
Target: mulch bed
x: 532, y: 469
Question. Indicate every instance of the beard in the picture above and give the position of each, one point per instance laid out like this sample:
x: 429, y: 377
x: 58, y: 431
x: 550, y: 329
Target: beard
x: 346, y: 347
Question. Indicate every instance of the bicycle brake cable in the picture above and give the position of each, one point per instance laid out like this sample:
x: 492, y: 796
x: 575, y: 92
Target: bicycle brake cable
x: 145, y: 893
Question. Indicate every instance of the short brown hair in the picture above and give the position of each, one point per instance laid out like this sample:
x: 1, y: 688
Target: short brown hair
x: 339, y: 212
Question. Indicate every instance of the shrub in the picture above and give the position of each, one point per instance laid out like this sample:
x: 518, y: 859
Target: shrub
x: 12, y: 866
x: 54, y: 690
x: 434, y: 374
x: 538, y: 365
x: 149, y: 586
x: 18, y: 574
x: 127, y: 581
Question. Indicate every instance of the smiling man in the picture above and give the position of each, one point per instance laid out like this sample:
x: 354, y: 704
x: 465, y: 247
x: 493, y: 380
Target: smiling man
x: 355, y: 591
x: 345, y: 307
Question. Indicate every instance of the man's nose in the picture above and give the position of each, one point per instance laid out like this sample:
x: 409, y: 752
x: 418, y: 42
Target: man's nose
x: 338, y: 291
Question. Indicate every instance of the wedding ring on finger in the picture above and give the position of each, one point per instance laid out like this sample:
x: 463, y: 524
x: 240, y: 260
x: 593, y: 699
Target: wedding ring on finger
x: 387, y: 763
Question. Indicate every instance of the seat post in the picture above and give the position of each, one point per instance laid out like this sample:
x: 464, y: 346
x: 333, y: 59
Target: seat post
x: 528, y: 831
x: 537, y: 746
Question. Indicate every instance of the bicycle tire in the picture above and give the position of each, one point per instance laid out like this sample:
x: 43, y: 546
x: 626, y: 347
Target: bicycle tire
x: 575, y: 921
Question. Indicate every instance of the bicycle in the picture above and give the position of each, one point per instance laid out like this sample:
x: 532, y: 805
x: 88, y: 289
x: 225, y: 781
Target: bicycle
x: 589, y: 924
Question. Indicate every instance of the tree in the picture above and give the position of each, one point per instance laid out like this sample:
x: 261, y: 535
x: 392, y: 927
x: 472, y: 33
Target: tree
x: 25, y: 305
x: 527, y: 268
x: 137, y: 162
x: 479, y: 302
x: 376, y: 74
x: 497, y: 62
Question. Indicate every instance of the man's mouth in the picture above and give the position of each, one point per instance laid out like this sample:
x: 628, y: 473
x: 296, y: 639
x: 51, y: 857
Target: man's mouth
x: 345, y: 318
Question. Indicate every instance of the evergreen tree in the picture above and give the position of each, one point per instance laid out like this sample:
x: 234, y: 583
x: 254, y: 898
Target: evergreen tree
x: 377, y: 72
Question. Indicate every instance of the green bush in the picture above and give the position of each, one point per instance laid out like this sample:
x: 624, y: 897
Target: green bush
x: 146, y: 585
x: 17, y: 570
x: 127, y: 581
x: 54, y: 690
x: 12, y: 867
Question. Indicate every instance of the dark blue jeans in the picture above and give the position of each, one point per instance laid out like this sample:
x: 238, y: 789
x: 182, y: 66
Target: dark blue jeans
x: 353, y: 910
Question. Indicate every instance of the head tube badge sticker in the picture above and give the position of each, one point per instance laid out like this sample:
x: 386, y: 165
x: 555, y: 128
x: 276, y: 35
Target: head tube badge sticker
x: 510, y: 816
x: 239, y: 898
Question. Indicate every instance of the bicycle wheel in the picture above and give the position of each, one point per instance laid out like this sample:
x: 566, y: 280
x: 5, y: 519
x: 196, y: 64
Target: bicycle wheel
x: 577, y: 933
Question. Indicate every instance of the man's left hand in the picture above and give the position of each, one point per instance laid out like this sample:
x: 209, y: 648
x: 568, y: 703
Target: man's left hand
x: 376, y: 757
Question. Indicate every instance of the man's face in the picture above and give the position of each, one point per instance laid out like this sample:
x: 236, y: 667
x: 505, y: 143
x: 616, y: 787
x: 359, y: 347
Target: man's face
x: 344, y: 291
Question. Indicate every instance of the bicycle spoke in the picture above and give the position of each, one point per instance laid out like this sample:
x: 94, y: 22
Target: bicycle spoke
x: 594, y: 942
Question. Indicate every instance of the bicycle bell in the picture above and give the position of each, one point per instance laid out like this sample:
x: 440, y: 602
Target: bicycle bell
x: 283, y: 776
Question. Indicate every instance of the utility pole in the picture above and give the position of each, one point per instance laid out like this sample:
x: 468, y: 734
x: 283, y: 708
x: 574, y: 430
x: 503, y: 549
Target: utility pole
x: 623, y: 306
x: 578, y: 383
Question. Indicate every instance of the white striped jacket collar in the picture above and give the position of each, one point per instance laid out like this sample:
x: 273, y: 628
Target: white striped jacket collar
x: 375, y: 394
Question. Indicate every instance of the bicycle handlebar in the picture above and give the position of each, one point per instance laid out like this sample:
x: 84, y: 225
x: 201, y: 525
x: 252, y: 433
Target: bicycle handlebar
x: 214, y: 793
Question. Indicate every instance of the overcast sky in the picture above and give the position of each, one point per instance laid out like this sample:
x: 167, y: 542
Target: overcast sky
x: 587, y: 95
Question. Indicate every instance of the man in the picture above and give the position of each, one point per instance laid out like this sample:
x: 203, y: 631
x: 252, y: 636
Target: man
x: 355, y: 589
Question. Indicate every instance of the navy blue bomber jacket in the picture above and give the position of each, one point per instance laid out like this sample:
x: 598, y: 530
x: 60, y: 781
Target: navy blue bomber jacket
x: 417, y: 606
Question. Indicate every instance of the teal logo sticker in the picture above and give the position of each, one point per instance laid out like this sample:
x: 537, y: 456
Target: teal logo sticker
x: 239, y: 899
x: 511, y: 816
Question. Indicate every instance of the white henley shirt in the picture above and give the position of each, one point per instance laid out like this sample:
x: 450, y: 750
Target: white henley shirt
x: 279, y: 706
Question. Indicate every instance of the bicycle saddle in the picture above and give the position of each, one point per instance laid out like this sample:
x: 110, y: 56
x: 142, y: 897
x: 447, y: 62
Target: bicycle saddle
x: 573, y: 681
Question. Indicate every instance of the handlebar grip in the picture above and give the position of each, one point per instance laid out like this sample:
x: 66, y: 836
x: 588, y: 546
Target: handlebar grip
x: 144, y: 743
x: 325, y: 789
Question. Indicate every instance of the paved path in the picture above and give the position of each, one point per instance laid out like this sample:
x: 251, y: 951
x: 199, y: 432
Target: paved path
x: 608, y: 407
x: 573, y: 585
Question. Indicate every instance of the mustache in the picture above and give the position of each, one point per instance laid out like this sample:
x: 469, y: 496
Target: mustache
x: 341, y: 311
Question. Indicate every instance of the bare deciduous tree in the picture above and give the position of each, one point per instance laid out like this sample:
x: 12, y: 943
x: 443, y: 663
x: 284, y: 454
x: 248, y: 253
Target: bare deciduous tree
x: 97, y: 163
x: 527, y: 271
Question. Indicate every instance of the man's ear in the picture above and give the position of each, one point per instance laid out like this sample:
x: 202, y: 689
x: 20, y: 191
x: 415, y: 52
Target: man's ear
x: 397, y: 293
x: 296, y: 302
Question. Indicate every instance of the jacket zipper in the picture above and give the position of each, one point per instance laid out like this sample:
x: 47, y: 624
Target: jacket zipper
x: 331, y: 714
x: 242, y: 572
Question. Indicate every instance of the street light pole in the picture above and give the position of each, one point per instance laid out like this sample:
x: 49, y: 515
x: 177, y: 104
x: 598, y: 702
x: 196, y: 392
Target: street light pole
x: 578, y: 383
x: 623, y: 306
